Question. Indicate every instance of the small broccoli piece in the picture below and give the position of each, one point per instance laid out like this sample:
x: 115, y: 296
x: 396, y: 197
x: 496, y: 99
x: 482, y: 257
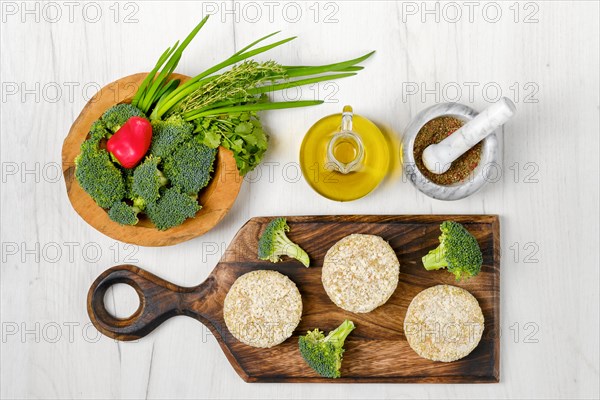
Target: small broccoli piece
x: 190, y: 165
x: 324, y: 353
x: 167, y: 135
x: 116, y: 116
x: 274, y: 243
x: 147, y: 180
x: 97, y: 175
x: 98, y: 131
x: 172, y: 208
x: 128, y: 177
x: 458, y: 251
x: 123, y: 213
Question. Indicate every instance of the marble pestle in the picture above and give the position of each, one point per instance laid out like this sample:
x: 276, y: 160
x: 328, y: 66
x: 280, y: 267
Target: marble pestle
x: 437, y: 158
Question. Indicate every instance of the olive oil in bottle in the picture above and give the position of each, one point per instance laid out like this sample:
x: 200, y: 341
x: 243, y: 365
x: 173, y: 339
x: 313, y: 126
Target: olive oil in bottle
x: 346, y: 150
x: 344, y: 161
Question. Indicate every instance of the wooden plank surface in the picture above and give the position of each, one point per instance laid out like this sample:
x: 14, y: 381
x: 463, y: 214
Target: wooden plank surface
x: 377, y: 350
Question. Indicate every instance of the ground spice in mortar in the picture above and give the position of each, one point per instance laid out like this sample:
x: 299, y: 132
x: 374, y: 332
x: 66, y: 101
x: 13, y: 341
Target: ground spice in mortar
x: 434, y: 132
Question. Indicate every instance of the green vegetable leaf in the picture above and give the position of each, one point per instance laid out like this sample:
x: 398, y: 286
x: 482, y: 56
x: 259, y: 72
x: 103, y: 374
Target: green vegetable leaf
x: 212, y: 139
x: 244, y: 128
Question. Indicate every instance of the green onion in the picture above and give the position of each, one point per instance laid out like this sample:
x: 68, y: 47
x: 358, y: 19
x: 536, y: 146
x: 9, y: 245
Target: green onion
x: 224, y: 106
x: 191, y: 85
x: 149, y: 93
x: 257, y: 107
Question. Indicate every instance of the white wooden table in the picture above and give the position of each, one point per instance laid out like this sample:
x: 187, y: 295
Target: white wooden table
x: 544, y: 56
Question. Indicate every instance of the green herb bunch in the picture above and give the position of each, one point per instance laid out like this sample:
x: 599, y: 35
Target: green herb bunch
x: 190, y: 121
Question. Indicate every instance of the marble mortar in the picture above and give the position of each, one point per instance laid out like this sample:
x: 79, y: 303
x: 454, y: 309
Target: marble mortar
x: 478, y: 178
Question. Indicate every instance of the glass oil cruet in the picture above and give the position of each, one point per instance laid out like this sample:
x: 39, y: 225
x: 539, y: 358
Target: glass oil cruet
x: 345, y: 151
x: 344, y: 156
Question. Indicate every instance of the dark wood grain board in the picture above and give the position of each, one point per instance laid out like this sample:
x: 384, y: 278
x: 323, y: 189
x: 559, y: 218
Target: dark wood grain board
x: 376, y: 351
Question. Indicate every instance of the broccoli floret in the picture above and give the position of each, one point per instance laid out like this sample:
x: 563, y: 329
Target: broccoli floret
x: 324, y: 353
x: 274, y: 243
x: 123, y: 213
x: 98, y: 131
x: 97, y: 175
x: 172, y: 208
x: 128, y: 177
x: 116, y: 116
x: 190, y: 165
x: 167, y: 135
x: 458, y: 251
x: 147, y: 180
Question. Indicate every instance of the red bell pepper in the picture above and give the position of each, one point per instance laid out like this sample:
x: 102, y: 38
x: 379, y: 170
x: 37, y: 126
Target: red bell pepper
x: 131, y: 142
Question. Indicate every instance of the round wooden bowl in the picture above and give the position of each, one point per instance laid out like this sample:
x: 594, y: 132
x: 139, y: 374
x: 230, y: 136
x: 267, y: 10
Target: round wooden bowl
x: 216, y: 199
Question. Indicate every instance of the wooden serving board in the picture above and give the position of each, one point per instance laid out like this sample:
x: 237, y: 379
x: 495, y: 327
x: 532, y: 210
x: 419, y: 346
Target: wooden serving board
x: 216, y: 199
x: 376, y: 351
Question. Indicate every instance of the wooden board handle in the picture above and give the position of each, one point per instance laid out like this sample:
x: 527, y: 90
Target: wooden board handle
x: 159, y: 300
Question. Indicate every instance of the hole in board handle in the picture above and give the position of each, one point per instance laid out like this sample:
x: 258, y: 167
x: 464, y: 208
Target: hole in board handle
x: 122, y: 301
